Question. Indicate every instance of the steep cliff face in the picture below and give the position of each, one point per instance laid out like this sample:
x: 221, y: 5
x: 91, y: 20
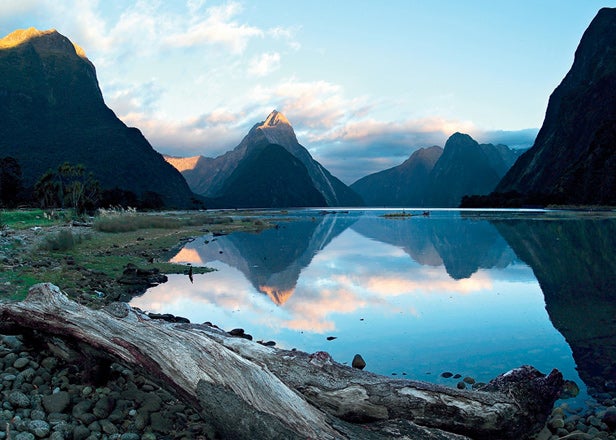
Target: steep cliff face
x: 403, y: 185
x: 52, y: 111
x: 210, y: 176
x: 573, y: 159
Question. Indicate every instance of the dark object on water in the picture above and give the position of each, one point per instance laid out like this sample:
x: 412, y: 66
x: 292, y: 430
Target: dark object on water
x: 331, y: 338
x: 461, y: 385
x: 358, y: 362
x: 190, y: 274
x: 446, y: 374
x: 236, y: 332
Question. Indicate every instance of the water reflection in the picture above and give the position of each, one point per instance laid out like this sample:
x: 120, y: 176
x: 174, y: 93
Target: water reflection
x: 417, y: 296
x: 574, y: 259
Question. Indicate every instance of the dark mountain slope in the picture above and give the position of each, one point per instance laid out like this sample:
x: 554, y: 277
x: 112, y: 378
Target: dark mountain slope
x: 268, y: 177
x: 573, y: 160
x: 463, y: 169
x: 403, y: 185
x: 52, y: 111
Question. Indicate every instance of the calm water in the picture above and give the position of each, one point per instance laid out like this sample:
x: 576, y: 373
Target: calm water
x: 474, y: 293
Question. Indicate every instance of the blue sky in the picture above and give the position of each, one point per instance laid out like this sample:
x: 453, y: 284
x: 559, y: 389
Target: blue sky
x: 364, y: 83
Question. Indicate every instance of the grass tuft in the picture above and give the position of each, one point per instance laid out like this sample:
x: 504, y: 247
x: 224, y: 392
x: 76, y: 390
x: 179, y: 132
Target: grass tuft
x: 63, y: 240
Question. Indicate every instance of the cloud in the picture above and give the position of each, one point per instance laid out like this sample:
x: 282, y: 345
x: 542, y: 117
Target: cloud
x: 265, y: 64
x: 218, y: 26
x: 134, y: 99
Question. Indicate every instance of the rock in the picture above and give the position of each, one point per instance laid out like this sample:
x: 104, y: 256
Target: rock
x: 151, y: 404
x: 19, y: 399
x: 21, y: 363
x: 103, y: 407
x: 107, y: 427
x: 39, y: 428
x: 37, y: 414
x: 556, y: 423
x: 12, y: 342
x: 358, y: 362
x: 118, y: 309
x: 130, y: 436
x: 237, y: 332
x: 25, y: 436
x: 609, y: 418
x: 57, y: 402
x: 570, y: 389
x: 446, y: 374
x: 461, y: 385
x: 134, y: 276
x: 82, y: 407
x: 469, y: 380
x: 80, y: 432
x: 86, y: 418
x: 159, y: 421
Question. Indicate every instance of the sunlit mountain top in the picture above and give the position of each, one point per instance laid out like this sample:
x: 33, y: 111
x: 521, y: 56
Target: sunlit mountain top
x: 278, y: 296
x: 183, y: 163
x: 54, y: 41
x: 275, y: 118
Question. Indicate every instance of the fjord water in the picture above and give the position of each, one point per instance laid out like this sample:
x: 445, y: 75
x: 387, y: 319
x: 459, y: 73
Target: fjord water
x: 470, y: 292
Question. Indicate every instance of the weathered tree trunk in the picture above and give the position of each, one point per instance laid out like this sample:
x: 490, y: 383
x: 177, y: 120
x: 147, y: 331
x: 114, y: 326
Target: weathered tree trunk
x: 249, y: 390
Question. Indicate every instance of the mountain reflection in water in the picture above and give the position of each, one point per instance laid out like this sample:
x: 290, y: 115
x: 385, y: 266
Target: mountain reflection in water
x: 415, y: 296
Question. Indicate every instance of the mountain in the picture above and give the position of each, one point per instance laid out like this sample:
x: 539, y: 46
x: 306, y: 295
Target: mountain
x: 402, y: 185
x: 268, y: 177
x: 465, y: 168
x: 52, y: 111
x: 272, y: 273
x: 462, y: 247
x: 574, y: 260
x: 573, y: 159
x: 210, y: 176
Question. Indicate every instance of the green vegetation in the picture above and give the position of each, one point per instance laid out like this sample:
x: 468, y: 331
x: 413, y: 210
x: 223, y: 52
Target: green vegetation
x: 129, y: 220
x: 81, y: 260
x: 29, y: 218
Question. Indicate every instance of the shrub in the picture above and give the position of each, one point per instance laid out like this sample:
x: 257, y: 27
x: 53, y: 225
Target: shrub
x: 61, y: 241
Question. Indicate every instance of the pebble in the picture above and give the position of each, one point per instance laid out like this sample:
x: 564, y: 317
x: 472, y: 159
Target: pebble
x: 358, y: 362
x: 43, y: 397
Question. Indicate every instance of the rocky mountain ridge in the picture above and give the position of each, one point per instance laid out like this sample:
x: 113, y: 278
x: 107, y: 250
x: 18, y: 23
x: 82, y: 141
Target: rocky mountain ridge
x: 439, y: 177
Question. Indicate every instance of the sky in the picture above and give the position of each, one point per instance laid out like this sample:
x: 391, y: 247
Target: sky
x: 363, y: 83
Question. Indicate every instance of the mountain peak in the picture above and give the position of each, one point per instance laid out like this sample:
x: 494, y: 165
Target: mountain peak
x: 277, y: 129
x: 275, y: 118
x: 47, y: 41
x: 460, y: 139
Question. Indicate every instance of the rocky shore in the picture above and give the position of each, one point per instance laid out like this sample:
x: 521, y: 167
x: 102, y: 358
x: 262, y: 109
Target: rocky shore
x: 46, y: 397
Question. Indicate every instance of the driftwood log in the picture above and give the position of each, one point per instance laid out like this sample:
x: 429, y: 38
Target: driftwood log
x: 248, y: 390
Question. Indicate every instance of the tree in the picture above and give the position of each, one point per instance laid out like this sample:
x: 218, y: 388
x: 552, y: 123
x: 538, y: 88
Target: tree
x: 46, y: 190
x: 68, y: 186
x: 10, y: 181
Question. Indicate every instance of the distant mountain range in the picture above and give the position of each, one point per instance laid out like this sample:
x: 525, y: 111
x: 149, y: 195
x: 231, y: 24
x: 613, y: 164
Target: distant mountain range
x: 52, y: 111
x: 403, y: 185
x: 269, y: 168
x: 436, y: 177
x: 573, y: 160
